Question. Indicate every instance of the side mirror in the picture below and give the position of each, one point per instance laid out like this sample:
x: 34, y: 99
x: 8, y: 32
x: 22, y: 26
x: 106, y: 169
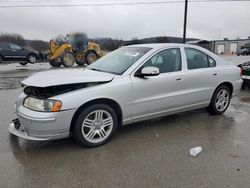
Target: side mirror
x: 150, y: 71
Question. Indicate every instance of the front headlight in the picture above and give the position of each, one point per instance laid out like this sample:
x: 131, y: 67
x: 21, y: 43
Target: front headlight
x: 42, y: 105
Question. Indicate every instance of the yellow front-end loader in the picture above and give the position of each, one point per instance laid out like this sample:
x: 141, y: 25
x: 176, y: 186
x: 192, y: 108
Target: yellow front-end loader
x: 74, y: 48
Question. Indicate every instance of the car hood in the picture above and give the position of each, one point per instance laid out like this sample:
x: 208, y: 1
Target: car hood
x: 69, y: 76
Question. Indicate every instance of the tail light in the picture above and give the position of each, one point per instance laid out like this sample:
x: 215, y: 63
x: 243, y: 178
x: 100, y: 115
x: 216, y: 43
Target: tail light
x: 241, y: 71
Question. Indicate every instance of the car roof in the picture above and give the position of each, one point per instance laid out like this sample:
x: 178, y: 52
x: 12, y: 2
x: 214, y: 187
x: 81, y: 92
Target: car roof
x: 162, y: 45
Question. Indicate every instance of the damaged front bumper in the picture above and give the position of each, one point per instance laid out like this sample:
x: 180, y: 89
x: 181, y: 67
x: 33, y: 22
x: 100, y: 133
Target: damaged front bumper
x: 41, y: 126
x: 15, y: 128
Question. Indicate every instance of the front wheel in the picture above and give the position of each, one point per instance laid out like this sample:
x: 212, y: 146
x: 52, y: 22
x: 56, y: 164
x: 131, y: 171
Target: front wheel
x: 220, y: 100
x: 95, y: 125
x: 32, y: 58
x: 68, y: 59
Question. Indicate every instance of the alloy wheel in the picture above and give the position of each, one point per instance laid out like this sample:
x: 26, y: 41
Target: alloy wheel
x: 32, y: 59
x: 222, y: 100
x: 97, y: 126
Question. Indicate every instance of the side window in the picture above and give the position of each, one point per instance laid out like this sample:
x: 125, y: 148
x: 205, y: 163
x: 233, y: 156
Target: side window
x: 4, y: 46
x: 15, y: 47
x: 167, y: 60
x: 197, y: 59
x: 211, y: 62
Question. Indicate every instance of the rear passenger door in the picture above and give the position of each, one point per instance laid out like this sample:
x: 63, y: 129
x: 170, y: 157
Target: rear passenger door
x: 201, y: 76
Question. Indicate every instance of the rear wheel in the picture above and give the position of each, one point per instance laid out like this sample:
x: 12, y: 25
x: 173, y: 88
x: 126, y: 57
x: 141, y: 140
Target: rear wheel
x: 220, y: 100
x: 54, y: 63
x: 91, y: 57
x: 68, y: 59
x: 95, y: 125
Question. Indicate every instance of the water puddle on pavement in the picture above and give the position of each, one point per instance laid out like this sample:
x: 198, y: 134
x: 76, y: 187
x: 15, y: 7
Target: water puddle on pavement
x: 245, y: 99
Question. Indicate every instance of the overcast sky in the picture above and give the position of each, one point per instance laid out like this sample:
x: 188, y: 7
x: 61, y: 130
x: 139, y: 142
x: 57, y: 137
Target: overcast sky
x: 205, y: 20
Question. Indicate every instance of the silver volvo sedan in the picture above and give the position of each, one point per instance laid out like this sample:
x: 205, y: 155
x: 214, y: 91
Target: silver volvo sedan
x: 128, y: 85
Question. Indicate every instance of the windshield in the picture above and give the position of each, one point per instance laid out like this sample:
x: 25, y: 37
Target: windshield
x: 118, y: 61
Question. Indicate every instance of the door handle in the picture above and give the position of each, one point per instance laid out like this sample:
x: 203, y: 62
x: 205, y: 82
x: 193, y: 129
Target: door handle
x: 179, y: 79
x: 215, y: 73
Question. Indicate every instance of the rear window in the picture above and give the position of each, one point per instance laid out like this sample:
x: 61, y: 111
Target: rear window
x: 197, y: 59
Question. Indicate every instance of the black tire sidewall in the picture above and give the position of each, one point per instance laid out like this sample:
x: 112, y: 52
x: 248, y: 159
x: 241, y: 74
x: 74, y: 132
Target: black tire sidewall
x: 55, y: 63
x: 212, y: 106
x: 23, y: 63
x: 80, y: 63
x: 77, y: 126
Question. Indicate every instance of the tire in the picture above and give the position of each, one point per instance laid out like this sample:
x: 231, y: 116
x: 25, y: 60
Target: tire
x: 68, y: 59
x: 1, y: 59
x: 32, y: 58
x: 55, y: 63
x: 89, y: 130
x: 23, y: 63
x: 243, y: 86
x: 220, y: 100
x: 80, y: 63
x: 91, y: 57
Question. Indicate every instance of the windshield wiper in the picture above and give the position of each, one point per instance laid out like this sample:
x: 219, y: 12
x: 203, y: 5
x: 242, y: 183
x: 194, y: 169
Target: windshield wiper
x: 96, y: 69
x: 103, y: 71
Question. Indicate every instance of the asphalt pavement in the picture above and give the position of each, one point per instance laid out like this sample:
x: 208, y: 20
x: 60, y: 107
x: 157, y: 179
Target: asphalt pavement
x: 147, y: 154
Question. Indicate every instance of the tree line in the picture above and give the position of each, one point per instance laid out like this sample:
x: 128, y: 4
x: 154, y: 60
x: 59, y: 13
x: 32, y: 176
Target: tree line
x: 108, y: 44
x: 18, y: 39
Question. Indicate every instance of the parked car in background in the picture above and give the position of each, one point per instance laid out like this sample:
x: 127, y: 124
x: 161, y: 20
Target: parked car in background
x: 128, y: 85
x: 244, y: 51
x: 14, y: 52
x: 245, y: 74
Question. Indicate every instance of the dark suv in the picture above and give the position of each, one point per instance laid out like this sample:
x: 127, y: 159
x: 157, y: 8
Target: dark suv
x: 244, y: 51
x: 13, y: 52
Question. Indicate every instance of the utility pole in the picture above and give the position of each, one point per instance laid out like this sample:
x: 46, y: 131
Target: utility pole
x: 219, y: 33
x: 185, y: 22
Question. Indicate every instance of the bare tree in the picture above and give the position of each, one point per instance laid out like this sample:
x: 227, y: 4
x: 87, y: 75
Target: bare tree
x: 12, y: 37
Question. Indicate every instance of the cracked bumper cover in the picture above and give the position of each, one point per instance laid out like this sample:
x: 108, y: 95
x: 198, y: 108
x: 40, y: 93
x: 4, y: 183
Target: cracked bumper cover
x: 41, y: 126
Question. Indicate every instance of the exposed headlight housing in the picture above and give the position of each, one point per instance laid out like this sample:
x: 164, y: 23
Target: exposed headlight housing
x: 42, y: 105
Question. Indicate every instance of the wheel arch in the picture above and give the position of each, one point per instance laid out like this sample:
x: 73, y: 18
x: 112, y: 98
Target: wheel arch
x: 228, y: 84
x: 31, y: 53
x: 110, y: 102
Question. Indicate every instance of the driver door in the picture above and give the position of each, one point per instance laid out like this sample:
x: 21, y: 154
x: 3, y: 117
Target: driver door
x: 153, y: 95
